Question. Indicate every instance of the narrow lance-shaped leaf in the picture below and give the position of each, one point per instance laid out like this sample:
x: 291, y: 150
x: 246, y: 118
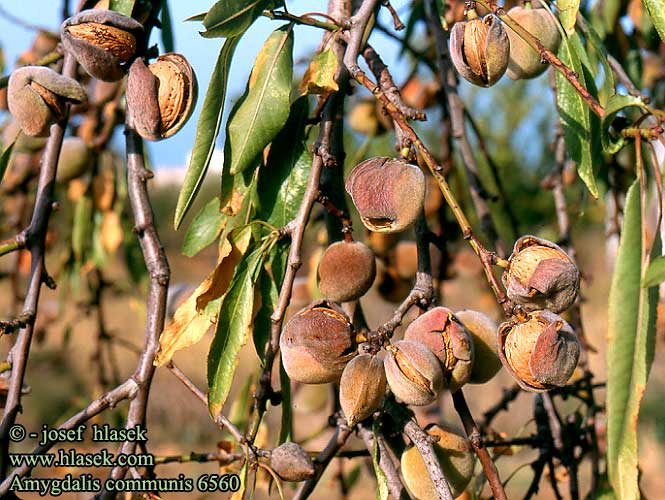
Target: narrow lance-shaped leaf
x: 196, y: 315
x: 233, y: 329
x: 575, y: 119
x: 382, y: 491
x: 229, y: 18
x: 207, y: 130
x: 4, y: 159
x: 631, y: 336
x: 167, y: 27
x: 204, y: 229
x: 283, y: 180
x: 264, y: 107
x: 656, y: 9
x: 568, y: 10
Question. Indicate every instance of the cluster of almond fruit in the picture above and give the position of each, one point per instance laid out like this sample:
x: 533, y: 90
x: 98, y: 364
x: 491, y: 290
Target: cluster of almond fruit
x: 482, y: 50
x: 441, y: 349
x: 160, y: 96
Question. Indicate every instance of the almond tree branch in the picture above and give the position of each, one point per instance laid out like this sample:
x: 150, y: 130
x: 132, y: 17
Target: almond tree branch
x: 264, y: 390
x: 394, y: 481
x: 337, y: 441
x: 448, y: 79
x: 35, y: 240
x: 487, y: 258
x: 158, y: 270
x: 109, y: 400
x: 473, y: 434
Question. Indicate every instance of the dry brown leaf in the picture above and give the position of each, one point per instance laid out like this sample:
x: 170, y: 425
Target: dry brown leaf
x: 187, y: 327
x: 230, y: 254
x: 191, y: 321
x: 234, y: 204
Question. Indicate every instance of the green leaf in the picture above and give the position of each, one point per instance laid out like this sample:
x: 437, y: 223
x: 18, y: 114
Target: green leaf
x: 615, y: 104
x: 197, y: 17
x: 574, y: 115
x: 204, y: 229
x: 234, y: 326
x: 609, y: 84
x: 4, y: 158
x: 207, y: 130
x: 271, y: 283
x: 382, y: 491
x: 286, y: 428
x: 610, y: 10
x: 167, y: 27
x: 283, y: 180
x: 229, y: 18
x: 568, y: 10
x: 656, y: 10
x: 655, y: 273
x: 264, y: 107
x: 122, y: 6
x: 631, y: 337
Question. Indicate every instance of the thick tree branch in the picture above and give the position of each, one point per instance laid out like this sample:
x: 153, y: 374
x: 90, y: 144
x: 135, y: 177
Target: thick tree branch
x: 109, y: 400
x: 158, y: 270
x: 35, y: 238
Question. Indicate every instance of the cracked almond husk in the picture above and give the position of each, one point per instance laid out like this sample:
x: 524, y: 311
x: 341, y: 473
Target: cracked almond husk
x: 102, y: 41
x: 540, y: 275
x: 445, y: 335
x: 480, y: 49
x: 161, y: 96
x: 38, y: 97
x: 413, y: 373
x: 388, y: 193
x: 540, y: 350
x: 317, y: 343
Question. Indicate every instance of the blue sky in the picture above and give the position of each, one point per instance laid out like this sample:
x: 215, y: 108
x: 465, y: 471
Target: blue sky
x: 200, y: 52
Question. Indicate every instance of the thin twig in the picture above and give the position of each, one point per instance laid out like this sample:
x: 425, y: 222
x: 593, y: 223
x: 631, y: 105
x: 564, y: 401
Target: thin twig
x: 222, y: 458
x: 395, y: 485
x: 448, y: 80
x: 472, y: 432
x: 337, y: 441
